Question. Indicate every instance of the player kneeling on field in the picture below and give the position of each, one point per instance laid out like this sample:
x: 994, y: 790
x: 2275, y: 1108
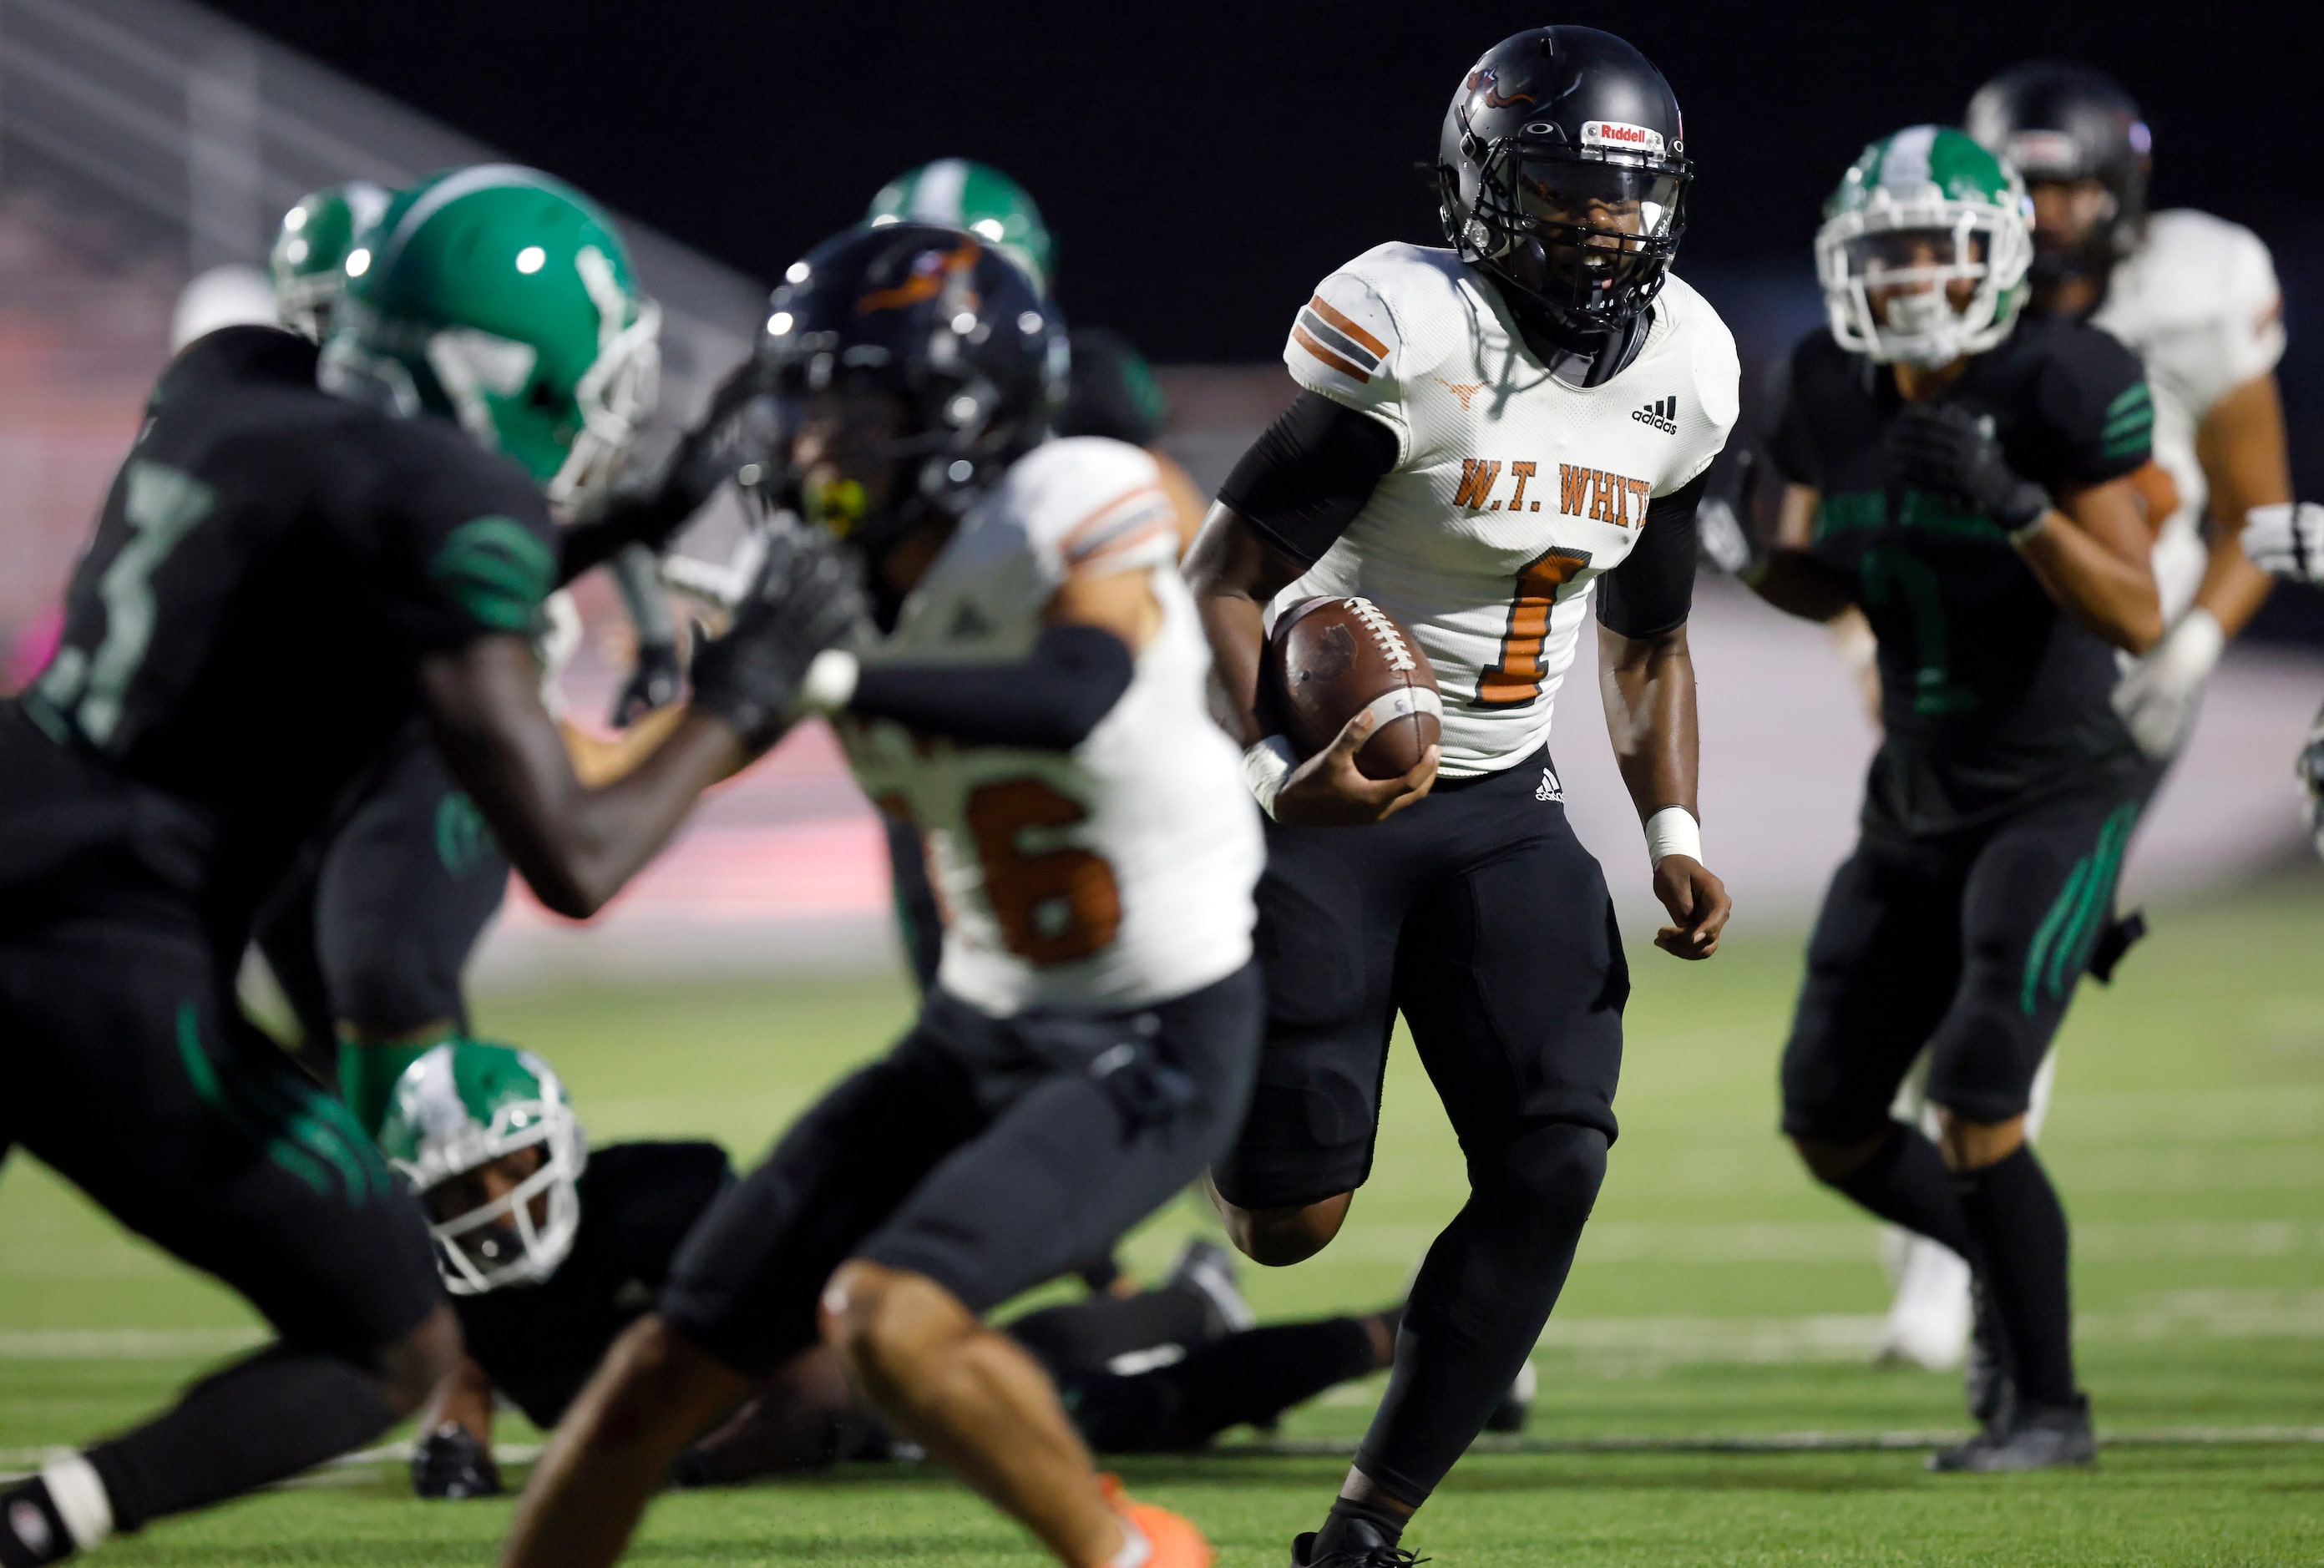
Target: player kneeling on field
x: 1969, y: 479
x: 1030, y: 690
x: 551, y: 1249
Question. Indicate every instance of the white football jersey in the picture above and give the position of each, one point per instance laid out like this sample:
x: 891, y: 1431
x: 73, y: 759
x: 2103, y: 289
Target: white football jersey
x: 1512, y: 490
x: 1118, y: 874
x: 2198, y: 302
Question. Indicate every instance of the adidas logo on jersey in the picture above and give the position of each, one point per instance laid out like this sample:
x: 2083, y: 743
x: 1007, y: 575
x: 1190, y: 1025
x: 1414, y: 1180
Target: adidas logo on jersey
x: 1662, y: 414
x: 1549, y: 789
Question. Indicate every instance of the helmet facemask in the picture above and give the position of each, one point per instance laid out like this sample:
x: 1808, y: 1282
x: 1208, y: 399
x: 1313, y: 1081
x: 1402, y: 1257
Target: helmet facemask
x: 521, y: 1236
x: 1584, y: 239
x: 1925, y: 281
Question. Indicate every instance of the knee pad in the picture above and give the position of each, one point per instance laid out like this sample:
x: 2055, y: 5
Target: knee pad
x: 1550, y: 1173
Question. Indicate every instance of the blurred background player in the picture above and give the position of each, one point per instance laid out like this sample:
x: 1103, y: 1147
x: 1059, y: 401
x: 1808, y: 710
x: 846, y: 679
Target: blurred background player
x: 1469, y: 450
x: 370, y: 936
x: 283, y: 577
x: 550, y: 1248
x: 1110, y: 391
x: 2195, y: 297
x: 1030, y: 691
x: 2287, y: 540
x: 1966, y: 477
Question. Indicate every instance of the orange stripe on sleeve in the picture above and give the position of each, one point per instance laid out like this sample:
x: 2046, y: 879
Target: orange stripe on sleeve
x: 1079, y: 534
x: 1323, y: 307
x: 1095, y: 561
x: 1306, y: 340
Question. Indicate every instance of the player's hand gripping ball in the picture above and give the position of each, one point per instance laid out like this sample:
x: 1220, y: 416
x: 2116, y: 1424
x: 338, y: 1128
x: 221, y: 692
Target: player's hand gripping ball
x: 1344, y: 688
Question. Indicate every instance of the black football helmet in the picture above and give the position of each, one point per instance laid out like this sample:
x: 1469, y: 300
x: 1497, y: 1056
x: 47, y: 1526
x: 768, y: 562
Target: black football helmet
x: 2058, y: 121
x: 1562, y: 174
x: 969, y: 349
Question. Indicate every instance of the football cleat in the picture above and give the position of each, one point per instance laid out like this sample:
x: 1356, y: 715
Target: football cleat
x: 1208, y: 1270
x: 1303, y: 1547
x: 1928, y: 1323
x: 2027, y: 1437
x: 450, y: 1463
x: 1516, y: 1407
x: 1985, y: 1372
x: 1172, y: 1540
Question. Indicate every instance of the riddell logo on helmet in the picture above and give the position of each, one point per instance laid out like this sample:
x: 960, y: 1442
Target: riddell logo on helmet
x: 2040, y: 153
x: 1620, y: 134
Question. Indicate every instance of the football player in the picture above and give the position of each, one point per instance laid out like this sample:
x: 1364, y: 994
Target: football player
x: 371, y: 934
x: 1484, y: 436
x: 1110, y: 391
x: 2195, y: 297
x: 283, y: 578
x: 551, y: 1249
x: 1967, y: 479
x: 2287, y: 540
x: 1034, y: 700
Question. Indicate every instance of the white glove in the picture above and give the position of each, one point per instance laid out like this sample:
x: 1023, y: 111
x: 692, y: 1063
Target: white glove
x: 2157, y: 698
x: 2286, y: 540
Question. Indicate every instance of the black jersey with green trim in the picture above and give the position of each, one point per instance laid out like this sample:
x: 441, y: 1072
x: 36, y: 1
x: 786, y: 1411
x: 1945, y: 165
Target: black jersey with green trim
x: 243, y: 635
x: 1991, y: 695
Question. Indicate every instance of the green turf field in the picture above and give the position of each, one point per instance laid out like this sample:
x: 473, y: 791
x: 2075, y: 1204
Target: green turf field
x: 1718, y: 1296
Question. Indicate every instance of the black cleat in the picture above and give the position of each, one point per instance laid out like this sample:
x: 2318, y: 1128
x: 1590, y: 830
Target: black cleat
x: 1986, y: 1376
x: 1357, y: 1557
x: 2029, y: 1437
x: 448, y: 1464
x: 1208, y: 1269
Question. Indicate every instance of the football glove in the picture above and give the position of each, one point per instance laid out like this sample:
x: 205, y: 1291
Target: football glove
x: 1946, y: 447
x: 2286, y: 540
x: 653, y: 682
x: 2157, y: 699
x: 449, y: 1463
x: 807, y: 596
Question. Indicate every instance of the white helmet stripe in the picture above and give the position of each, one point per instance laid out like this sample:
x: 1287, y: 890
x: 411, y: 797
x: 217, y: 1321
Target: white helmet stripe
x: 1906, y: 161
x: 449, y: 189
x: 936, y: 193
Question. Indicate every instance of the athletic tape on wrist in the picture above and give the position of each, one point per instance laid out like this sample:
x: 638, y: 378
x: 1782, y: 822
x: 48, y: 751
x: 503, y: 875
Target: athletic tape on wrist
x: 1673, y: 830
x: 2022, y: 536
x: 830, y: 680
x: 1265, y: 767
x: 79, y: 1494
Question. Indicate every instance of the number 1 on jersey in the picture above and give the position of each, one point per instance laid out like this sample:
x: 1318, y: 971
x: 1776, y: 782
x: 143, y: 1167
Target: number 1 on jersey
x: 1516, y: 677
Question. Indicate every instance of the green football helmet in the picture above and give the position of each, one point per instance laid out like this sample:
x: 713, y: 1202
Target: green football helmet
x: 502, y: 298
x: 978, y: 198
x: 1921, y: 218
x: 463, y: 1106
x: 310, y: 250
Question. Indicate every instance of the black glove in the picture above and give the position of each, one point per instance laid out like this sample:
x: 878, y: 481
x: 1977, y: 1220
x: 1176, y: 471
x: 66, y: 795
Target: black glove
x: 653, y: 682
x: 651, y: 499
x: 450, y: 1463
x: 806, y: 597
x: 1946, y: 447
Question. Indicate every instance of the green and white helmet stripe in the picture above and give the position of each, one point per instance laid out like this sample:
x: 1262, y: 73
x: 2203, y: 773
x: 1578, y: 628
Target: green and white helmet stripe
x: 1934, y: 183
x: 976, y: 197
x: 306, y: 265
x: 503, y: 298
x: 463, y: 1105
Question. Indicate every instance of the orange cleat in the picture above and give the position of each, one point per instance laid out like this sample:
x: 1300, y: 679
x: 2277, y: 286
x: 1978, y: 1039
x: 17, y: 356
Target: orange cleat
x: 1175, y: 1542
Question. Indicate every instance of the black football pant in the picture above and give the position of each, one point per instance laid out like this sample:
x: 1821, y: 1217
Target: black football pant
x: 131, y: 1073
x: 989, y: 1154
x: 1479, y: 917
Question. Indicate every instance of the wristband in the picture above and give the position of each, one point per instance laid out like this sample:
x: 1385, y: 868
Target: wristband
x: 829, y: 683
x: 1671, y: 831
x: 1265, y: 767
x: 2023, y: 536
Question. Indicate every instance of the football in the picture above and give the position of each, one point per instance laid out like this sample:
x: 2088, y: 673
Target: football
x: 1330, y: 659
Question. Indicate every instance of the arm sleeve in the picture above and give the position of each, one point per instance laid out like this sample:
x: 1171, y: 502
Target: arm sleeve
x: 1789, y: 449
x: 1309, y: 473
x: 1049, y: 701
x: 1653, y: 589
x: 2097, y: 411
x: 474, y: 549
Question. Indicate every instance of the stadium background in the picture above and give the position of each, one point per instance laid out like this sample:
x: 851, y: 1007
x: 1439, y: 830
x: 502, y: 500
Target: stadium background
x: 1202, y: 167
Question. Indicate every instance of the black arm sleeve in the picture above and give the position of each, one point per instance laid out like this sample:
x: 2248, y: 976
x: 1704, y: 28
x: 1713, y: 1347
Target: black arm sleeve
x: 1050, y: 702
x: 1308, y: 475
x: 1653, y: 589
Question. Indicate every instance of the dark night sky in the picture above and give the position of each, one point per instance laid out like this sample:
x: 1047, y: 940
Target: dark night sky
x: 1204, y: 164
